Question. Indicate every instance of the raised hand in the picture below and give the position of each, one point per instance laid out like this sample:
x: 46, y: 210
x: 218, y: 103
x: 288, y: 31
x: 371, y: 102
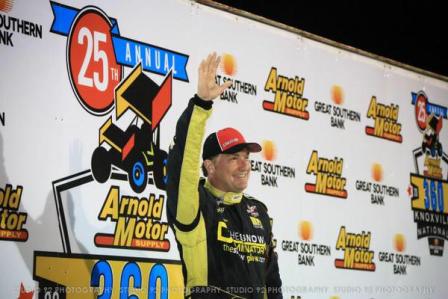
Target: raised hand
x: 208, y: 90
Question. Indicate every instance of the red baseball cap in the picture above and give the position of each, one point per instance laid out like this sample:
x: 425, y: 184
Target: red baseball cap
x: 227, y: 141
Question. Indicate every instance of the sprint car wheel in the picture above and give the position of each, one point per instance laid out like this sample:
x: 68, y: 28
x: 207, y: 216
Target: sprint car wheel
x: 100, y: 164
x: 138, y: 176
x: 160, y: 170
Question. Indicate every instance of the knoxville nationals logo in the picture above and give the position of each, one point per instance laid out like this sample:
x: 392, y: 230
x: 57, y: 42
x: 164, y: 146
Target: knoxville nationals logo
x: 129, y: 151
x: 428, y: 185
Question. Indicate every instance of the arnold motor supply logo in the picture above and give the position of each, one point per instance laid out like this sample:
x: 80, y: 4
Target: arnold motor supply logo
x: 377, y: 191
x: 126, y: 221
x: 306, y: 250
x: 288, y: 95
x: 9, y: 25
x: 386, y: 125
x: 399, y: 260
x: 338, y: 114
x: 428, y: 185
x: 137, y: 222
x: 270, y: 172
x: 229, y: 68
x: 12, y: 221
x: 356, y: 248
x: 328, y: 173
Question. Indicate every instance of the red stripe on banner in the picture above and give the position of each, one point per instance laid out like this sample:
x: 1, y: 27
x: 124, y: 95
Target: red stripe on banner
x: 13, y: 235
x: 108, y: 241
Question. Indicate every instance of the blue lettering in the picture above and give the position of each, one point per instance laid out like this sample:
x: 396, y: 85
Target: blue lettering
x: 102, y: 268
x: 130, y: 270
x: 158, y: 272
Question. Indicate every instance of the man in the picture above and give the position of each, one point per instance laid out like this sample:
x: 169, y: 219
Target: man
x: 224, y: 236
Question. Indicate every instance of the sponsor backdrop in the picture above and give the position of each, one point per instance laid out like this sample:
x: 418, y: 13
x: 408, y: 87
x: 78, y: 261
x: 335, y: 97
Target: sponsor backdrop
x: 353, y: 168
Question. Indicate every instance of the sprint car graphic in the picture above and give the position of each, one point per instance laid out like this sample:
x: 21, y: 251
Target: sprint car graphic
x: 136, y: 149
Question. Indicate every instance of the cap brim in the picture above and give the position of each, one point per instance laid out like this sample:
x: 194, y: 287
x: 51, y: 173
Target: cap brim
x: 252, y: 147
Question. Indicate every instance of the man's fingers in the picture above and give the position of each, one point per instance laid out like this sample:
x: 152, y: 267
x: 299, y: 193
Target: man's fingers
x: 204, y: 69
x: 201, y: 69
x: 227, y: 84
x: 215, y: 65
x: 223, y: 87
x: 213, y: 56
x: 211, y: 65
x: 208, y: 62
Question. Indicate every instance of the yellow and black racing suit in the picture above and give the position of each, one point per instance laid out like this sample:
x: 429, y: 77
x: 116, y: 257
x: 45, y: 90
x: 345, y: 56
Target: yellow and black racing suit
x: 224, y: 239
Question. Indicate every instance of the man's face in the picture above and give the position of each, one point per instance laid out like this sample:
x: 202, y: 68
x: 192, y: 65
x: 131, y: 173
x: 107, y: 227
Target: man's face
x: 231, y: 171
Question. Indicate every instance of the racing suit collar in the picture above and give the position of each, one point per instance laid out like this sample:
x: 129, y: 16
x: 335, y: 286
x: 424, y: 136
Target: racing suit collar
x: 228, y: 198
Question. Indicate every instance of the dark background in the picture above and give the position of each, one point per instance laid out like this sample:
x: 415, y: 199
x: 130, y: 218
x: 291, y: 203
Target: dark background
x: 411, y: 32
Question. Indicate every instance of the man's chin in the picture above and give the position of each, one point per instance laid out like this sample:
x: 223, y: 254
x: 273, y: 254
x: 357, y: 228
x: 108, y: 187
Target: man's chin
x: 240, y: 188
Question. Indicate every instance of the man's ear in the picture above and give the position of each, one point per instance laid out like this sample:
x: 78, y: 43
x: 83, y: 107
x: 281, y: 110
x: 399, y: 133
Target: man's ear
x: 209, y: 166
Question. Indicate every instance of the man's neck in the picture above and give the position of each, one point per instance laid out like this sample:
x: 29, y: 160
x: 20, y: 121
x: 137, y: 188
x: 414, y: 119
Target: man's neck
x: 229, y: 198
